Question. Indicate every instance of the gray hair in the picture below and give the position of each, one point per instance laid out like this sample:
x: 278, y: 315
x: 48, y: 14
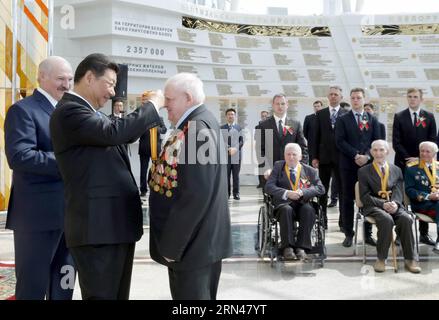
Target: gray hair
x: 336, y: 88
x: 188, y: 83
x: 46, y: 66
x: 293, y: 146
x: 383, y: 142
x: 429, y: 144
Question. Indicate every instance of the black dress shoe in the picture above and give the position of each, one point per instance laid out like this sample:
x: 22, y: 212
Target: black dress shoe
x: 259, y: 186
x: 425, y: 238
x: 332, y: 204
x: 371, y: 241
x: 288, y: 254
x: 347, y: 242
x: 236, y: 196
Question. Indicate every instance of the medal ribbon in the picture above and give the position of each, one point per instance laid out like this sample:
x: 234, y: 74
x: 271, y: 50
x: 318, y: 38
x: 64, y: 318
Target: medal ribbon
x: 296, y: 183
x: 431, y: 175
x: 384, y: 180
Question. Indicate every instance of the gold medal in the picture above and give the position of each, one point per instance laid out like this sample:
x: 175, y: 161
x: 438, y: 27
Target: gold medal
x: 156, y: 188
x: 169, y: 193
x: 174, y: 172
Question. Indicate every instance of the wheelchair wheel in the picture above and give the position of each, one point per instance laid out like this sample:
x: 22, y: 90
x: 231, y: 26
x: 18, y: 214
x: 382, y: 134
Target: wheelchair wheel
x: 262, y: 231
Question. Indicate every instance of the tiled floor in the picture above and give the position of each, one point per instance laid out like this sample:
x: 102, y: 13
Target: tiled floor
x: 245, y: 276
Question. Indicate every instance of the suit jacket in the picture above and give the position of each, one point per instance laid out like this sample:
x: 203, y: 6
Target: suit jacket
x: 309, y: 128
x: 370, y: 185
x: 383, y: 135
x: 418, y: 186
x: 37, y: 194
x: 275, y: 151
x: 101, y: 208
x: 325, y: 149
x: 233, y: 138
x: 406, y: 137
x: 145, y: 142
x: 113, y: 117
x: 190, y: 220
x: 350, y: 140
x: 278, y: 183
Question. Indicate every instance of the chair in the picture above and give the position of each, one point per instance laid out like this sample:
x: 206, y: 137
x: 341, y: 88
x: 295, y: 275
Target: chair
x: 418, y: 216
x: 360, y: 216
x: 268, y: 232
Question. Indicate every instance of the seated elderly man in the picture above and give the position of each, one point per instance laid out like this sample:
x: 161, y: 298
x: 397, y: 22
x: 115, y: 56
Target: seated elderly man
x: 292, y: 184
x: 381, y: 191
x: 422, y: 183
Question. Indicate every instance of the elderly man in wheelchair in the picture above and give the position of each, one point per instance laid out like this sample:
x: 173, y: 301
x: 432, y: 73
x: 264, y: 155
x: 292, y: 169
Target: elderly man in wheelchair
x: 292, y: 185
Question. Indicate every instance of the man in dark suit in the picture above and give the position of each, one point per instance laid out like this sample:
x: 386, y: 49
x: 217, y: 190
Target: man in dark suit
x: 370, y: 108
x: 292, y: 185
x: 234, y: 141
x: 325, y: 153
x: 411, y: 127
x: 103, y: 211
x: 190, y: 219
x: 278, y: 130
x: 145, y: 152
x: 117, y: 106
x: 382, y: 194
x: 354, y: 133
x: 264, y: 116
x: 36, y: 205
x: 309, y: 128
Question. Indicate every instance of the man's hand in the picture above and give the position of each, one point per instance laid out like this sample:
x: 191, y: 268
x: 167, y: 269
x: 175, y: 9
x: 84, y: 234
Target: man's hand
x: 156, y: 97
x: 267, y: 174
x: 232, y: 151
x: 390, y: 207
x: 434, y: 196
x: 294, y: 195
x: 315, y: 163
x: 361, y: 160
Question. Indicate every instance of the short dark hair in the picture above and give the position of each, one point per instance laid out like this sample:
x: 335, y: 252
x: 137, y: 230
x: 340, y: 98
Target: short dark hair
x: 97, y: 63
x: 318, y: 101
x: 370, y: 105
x: 344, y: 104
x: 359, y: 90
x: 230, y: 109
x: 278, y: 95
x: 116, y: 100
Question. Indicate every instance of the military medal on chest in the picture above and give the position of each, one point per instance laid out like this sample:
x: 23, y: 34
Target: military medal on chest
x: 164, y: 170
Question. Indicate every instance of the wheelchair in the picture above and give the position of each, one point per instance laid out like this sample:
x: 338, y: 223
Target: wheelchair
x: 268, y: 233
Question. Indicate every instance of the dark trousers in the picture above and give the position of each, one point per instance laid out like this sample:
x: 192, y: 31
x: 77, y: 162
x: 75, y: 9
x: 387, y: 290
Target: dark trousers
x: 104, y: 271
x: 385, y: 223
x: 39, y: 261
x: 144, y: 164
x: 348, y: 180
x: 195, y: 284
x: 335, y: 186
x: 325, y: 173
x: 287, y: 215
x: 233, y: 170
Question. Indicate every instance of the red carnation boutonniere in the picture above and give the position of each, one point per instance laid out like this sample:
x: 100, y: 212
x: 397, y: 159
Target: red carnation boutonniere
x: 287, y: 129
x: 421, y: 122
x: 304, y: 183
x: 364, y: 124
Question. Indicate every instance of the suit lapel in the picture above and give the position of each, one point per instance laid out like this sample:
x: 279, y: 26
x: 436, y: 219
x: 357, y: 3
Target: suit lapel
x: 43, y: 102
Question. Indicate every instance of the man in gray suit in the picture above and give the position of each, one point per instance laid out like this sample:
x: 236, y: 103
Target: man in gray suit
x: 381, y: 191
x: 292, y: 185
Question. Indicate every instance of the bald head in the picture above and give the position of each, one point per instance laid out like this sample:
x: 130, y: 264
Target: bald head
x: 55, y: 76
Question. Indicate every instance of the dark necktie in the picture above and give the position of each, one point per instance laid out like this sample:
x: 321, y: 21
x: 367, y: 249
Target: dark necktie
x: 333, y: 117
x: 358, y: 119
x: 292, y: 176
x: 280, y: 128
x: 383, y: 170
x: 416, y: 118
